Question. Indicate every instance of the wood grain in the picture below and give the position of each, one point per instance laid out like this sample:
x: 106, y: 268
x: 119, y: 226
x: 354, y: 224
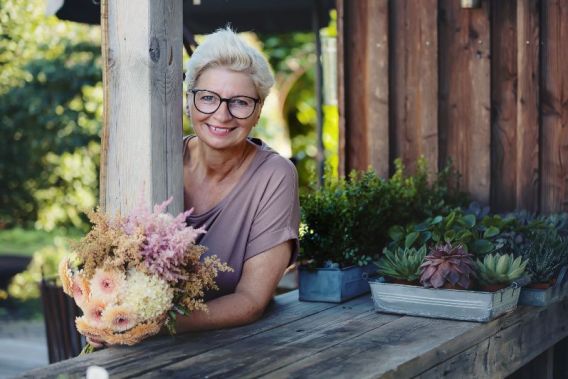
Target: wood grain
x: 143, y: 136
x: 528, y: 105
x: 414, y: 82
x: 504, y: 105
x: 364, y: 111
x: 554, y: 100
x: 464, y: 109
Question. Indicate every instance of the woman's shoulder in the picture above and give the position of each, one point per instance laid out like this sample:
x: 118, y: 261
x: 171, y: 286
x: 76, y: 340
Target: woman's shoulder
x: 272, y: 163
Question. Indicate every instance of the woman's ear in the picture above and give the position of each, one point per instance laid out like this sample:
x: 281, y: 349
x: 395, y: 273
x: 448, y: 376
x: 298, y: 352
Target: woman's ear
x: 187, y: 106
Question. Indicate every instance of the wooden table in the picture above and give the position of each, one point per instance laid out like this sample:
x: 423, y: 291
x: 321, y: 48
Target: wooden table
x: 350, y: 340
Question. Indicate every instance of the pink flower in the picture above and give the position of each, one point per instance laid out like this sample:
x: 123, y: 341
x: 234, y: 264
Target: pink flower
x: 80, y: 289
x: 94, y: 311
x: 119, y: 318
x: 107, y: 284
x: 167, y: 241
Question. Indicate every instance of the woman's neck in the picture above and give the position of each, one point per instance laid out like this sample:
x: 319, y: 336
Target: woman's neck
x: 217, y: 165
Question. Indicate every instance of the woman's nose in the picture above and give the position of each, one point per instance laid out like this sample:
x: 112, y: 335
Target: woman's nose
x: 222, y: 113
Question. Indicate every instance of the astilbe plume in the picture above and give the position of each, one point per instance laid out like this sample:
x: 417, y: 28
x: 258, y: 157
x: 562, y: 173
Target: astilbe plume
x: 447, y: 266
x: 167, y: 240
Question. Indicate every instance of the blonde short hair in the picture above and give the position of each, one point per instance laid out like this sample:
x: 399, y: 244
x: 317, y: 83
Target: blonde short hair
x: 225, y: 48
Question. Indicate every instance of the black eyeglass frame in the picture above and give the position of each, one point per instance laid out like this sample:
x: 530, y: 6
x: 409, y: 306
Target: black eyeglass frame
x: 222, y: 100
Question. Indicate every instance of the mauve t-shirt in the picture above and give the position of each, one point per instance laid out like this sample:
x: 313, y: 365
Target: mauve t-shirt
x: 260, y: 212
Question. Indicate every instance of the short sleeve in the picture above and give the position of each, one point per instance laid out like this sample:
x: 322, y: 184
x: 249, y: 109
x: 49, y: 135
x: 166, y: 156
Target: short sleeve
x: 277, y: 218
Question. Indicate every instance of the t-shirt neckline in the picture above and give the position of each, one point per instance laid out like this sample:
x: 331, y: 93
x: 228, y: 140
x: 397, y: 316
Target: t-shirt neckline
x: 260, y: 150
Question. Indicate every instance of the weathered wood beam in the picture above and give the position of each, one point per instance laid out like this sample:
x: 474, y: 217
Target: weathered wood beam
x: 414, y: 82
x: 464, y: 110
x: 142, y: 79
x: 554, y: 98
x: 528, y: 105
x: 364, y: 88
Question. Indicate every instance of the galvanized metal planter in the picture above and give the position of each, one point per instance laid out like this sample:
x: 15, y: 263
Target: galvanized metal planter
x: 443, y: 303
x: 543, y: 297
x: 334, y: 285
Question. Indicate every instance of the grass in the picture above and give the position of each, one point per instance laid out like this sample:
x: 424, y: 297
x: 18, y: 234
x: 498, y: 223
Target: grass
x: 24, y: 242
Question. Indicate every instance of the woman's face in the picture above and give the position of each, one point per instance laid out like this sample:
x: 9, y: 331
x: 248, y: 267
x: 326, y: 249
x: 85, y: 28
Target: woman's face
x: 220, y: 129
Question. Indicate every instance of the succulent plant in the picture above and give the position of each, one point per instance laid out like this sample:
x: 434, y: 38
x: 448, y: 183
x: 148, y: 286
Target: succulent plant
x: 500, y: 269
x: 402, y: 263
x: 448, y: 266
x: 546, y: 254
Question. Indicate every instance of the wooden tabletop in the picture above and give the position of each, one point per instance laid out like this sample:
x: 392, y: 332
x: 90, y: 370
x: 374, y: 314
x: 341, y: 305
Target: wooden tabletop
x: 324, y: 340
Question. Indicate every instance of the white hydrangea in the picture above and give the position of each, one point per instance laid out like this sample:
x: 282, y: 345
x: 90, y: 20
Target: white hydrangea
x: 148, y: 295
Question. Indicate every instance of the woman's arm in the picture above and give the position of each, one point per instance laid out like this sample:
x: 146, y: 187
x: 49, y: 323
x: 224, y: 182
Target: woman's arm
x: 254, y: 291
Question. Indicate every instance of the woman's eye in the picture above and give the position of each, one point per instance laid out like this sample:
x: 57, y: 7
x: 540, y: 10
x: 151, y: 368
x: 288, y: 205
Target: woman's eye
x: 208, y: 98
x: 239, y: 102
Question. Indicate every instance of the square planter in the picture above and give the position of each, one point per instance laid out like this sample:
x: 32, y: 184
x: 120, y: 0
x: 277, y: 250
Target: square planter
x: 543, y: 297
x: 334, y: 285
x: 443, y: 303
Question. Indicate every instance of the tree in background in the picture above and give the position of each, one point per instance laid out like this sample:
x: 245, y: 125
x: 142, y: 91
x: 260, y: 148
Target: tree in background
x: 50, y: 112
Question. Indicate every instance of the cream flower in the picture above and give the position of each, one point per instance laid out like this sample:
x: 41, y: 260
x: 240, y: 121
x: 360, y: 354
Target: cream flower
x: 147, y: 295
x: 107, y: 285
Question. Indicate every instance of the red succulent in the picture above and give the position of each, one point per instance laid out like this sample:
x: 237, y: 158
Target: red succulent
x: 447, y: 266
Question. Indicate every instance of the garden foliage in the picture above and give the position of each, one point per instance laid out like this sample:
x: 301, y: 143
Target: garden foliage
x: 346, y: 221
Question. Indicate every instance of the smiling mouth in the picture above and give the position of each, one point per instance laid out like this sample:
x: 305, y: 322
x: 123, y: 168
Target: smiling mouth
x: 220, y: 131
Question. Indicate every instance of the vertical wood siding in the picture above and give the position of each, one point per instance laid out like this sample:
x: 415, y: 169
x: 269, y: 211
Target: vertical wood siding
x: 485, y: 87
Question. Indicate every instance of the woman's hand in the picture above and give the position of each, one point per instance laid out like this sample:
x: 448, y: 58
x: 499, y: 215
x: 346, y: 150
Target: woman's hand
x: 96, y: 343
x: 254, y: 291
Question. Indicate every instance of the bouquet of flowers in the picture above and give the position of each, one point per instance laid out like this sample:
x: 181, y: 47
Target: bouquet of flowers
x: 132, y: 275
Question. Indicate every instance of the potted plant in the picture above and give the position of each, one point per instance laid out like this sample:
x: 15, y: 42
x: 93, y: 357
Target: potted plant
x: 547, y: 255
x: 448, y: 275
x: 345, y: 225
x: 498, y: 271
x: 334, y: 265
x: 402, y: 265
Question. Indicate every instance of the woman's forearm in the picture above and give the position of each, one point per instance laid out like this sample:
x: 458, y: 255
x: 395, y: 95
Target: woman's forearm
x: 224, y: 312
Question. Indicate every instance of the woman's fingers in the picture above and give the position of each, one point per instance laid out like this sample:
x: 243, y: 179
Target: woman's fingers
x: 96, y: 343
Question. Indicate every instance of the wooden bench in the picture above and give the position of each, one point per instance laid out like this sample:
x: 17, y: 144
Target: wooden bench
x: 351, y: 340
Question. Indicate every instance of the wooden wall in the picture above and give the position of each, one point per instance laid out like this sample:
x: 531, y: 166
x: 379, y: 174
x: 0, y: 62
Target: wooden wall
x: 486, y: 87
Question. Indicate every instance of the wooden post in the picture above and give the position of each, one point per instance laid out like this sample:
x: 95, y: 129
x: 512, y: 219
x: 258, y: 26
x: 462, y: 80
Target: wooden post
x: 364, y: 89
x: 141, y: 151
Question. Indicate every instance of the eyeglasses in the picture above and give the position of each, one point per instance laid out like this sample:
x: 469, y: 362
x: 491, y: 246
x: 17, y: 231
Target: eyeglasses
x: 208, y: 102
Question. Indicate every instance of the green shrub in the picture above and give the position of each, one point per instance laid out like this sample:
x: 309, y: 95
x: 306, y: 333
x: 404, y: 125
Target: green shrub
x: 346, y: 221
x: 25, y: 285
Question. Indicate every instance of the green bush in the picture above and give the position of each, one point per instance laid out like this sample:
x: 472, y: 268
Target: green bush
x: 346, y: 221
x: 50, y: 111
x: 45, y: 261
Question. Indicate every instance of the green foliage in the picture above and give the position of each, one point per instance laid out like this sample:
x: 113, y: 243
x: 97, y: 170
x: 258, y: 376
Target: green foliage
x: 402, y: 263
x: 477, y: 236
x: 50, y: 110
x: 546, y: 253
x: 25, y: 285
x: 346, y: 221
x: 500, y: 269
x: 25, y: 242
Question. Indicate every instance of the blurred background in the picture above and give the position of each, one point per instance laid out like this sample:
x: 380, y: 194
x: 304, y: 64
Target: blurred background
x: 50, y: 125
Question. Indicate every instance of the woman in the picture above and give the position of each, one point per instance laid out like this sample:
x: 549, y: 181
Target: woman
x: 242, y: 192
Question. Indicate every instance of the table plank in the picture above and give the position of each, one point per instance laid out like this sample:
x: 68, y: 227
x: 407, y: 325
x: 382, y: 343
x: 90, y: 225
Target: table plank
x: 300, y: 339
x: 277, y: 348
x: 285, y: 309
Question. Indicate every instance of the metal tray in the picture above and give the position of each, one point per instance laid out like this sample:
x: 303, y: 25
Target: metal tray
x: 541, y: 298
x: 443, y: 303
